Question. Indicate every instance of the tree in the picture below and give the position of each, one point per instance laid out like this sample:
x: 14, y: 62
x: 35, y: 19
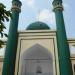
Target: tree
x: 5, y: 15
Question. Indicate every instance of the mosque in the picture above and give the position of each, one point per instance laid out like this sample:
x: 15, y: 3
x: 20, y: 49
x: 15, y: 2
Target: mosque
x: 38, y: 50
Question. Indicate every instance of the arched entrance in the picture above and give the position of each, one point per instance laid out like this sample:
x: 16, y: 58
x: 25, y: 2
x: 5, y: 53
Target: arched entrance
x: 37, y: 60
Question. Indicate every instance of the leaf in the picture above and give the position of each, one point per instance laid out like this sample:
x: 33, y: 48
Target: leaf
x: 5, y: 15
x: 1, y: 34
x: 1, y: 43
x: 2, y: 26
x: 2, y: 18
x: 5, y: 35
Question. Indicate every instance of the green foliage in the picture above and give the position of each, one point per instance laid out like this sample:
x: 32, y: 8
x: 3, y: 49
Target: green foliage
x: 1, y: 43
x: 4, y: 16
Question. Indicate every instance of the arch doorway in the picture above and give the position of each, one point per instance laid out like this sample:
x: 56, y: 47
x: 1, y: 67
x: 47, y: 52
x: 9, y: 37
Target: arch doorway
x: 37, y: 60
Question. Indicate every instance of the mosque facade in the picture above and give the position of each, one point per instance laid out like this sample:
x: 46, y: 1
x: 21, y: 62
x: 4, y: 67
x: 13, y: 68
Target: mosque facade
x: 38, y: 50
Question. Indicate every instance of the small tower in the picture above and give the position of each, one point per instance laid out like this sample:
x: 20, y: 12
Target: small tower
x: 63, y: 48
x: 10, y: 54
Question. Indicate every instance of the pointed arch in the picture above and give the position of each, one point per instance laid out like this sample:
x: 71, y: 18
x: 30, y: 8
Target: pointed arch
x: 37, y: 59
x: 38, y: 51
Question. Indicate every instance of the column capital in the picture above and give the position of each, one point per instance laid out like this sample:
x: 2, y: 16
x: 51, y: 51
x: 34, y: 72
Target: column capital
x: 16, y: 5
x: 57, y: 5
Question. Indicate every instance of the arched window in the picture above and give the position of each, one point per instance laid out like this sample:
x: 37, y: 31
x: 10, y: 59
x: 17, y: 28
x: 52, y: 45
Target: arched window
x: 36, y: 60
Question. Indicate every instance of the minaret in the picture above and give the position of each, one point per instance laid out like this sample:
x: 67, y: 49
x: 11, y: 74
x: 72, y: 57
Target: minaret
x: 63, y: 47
x: 10, y: 53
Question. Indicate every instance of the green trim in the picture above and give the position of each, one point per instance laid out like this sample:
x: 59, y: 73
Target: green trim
x: 10, y: 53
x: 63, y: 47
x: 9, y: 59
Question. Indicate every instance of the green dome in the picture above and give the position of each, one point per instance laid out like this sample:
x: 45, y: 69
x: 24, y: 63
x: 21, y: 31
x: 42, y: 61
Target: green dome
x: 37, y: 26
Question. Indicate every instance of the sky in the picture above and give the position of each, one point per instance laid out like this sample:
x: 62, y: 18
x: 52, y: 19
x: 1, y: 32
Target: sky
x: 41, y: 10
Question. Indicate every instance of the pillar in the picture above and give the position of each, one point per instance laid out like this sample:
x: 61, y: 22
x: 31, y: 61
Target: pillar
x: 62, y: 44
x: 11, y: 47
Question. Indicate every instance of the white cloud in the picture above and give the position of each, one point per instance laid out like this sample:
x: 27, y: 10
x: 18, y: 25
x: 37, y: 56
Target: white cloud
x: 46, y: 15
x: 30, y: 3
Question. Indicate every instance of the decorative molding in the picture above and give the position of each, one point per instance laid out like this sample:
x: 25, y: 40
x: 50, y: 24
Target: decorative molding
x: 16, y: 5
x: 57, y: 5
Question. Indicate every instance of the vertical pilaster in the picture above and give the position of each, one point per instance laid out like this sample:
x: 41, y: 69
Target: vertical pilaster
x: 10, y: 53
x: 63, y: 47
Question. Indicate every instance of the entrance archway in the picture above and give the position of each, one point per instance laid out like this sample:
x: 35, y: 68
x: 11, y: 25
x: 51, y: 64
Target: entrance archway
x: 37, y: 60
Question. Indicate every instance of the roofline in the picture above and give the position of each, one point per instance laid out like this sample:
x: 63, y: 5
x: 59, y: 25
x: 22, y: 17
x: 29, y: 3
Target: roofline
x: 71, y: 40
x: 31, y: 31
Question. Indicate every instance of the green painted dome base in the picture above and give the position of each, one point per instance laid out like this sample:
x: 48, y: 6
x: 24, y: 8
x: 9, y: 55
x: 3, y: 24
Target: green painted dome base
x: 38, y: 26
